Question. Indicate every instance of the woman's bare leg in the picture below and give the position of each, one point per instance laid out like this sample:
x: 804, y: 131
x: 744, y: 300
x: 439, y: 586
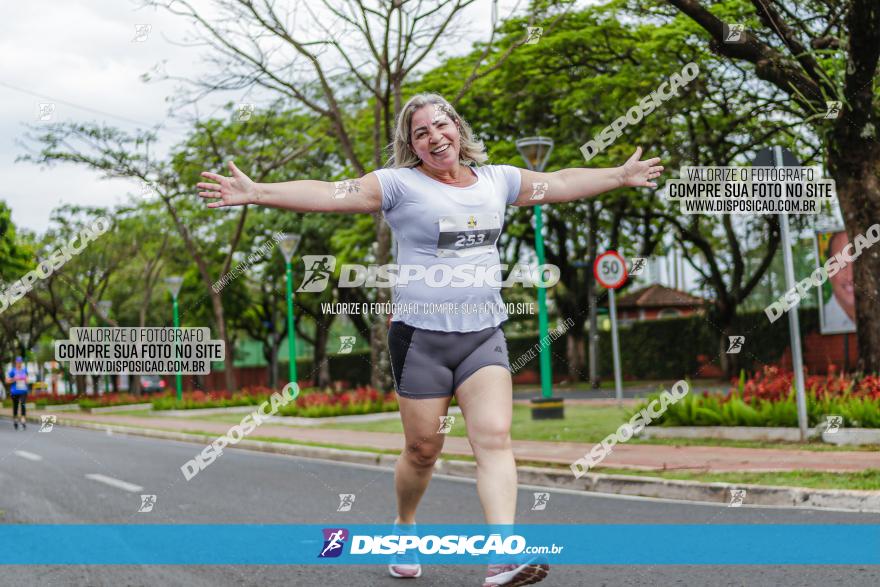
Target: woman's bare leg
x: 421, y: 421
x: 486, y: 400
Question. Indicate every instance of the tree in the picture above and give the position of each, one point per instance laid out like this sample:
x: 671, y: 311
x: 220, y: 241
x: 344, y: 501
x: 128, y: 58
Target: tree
x: 133, y: 290
x: 15, y: 257
x: 815, y: 51
x: 69, y: 296
x: 353, y: 70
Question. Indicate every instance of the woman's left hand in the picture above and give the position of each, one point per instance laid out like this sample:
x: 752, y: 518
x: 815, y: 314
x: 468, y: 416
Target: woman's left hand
x: 638, y: 174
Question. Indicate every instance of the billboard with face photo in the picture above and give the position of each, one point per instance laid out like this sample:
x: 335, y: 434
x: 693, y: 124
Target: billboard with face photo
x: 837, y: 301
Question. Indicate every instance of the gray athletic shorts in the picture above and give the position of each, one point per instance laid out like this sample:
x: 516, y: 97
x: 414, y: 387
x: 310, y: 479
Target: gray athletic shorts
x: 431, y: 363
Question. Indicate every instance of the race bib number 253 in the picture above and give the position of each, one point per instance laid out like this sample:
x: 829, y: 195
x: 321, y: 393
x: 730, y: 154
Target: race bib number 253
x: 463, y: 235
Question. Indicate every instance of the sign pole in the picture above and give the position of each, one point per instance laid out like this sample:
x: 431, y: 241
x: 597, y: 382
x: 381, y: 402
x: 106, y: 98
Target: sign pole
x: 610, y: 271
x: 615, y: 348
x: 794, y: 329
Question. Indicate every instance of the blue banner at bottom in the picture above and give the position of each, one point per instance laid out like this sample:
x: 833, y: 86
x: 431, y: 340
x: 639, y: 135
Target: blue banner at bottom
x: 593, y: 544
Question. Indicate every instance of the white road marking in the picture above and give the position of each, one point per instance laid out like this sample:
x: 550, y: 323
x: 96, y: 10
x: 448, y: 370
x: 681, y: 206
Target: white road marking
x: 117, y: 483
x: 28, y: 455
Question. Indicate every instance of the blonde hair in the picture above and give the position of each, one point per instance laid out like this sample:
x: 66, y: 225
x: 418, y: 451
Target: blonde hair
x: 471, y: 150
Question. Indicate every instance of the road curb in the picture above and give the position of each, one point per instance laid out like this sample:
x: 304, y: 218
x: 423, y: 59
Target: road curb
x: 716, y: 492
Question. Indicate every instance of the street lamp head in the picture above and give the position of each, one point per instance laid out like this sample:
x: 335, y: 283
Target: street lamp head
x: 288, y: 244
x: 24, y: 337
x: 535, y: 151
x: 174, y: 284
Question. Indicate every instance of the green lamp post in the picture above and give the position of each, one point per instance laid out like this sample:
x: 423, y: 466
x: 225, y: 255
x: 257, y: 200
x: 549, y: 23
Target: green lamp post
x: 104, y: 308
x: 535, y: 151
x: 174, y: 283
x: 288, y: 244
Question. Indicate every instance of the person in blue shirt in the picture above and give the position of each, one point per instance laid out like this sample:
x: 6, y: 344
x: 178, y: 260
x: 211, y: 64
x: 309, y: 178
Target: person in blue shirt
x: 17, y: 378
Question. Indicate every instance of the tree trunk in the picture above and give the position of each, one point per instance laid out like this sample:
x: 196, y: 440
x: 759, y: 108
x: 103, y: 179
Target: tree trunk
x: 321, y: 365
x: 273, y: 363
x: 854, y: 163
x: 570, y: 302
x: 575, y: 352
x: 80, y: 381
x: 729, y: 362
x: 134, y: 385
x: 229, y: 357
x: 592, y: 239
x: 380, y: 375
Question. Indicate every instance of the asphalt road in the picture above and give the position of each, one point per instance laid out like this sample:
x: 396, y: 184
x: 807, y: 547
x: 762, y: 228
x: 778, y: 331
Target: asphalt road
x: 81, y: 476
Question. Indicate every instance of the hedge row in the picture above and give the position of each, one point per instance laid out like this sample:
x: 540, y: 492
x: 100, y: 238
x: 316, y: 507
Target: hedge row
x: 657, y: 349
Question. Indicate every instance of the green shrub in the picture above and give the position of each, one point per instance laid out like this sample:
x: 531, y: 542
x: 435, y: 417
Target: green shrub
x: 719, y: 410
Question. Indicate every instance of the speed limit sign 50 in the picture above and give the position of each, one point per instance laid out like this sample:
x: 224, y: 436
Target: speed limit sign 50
x: 610, y: 270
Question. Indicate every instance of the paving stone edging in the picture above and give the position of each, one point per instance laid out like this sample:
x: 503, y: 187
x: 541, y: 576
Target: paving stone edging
x: 716, y: 492
x: 849, y: 436
x: 120, y: 408
x: 292, y: 420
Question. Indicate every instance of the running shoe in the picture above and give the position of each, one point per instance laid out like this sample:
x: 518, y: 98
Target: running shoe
x: 15, y: 423
x: 515, y: 575
x: 405, y: 567
x: 23, y: 425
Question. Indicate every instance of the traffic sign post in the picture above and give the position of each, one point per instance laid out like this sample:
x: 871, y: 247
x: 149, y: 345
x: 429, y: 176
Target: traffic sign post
x: 780, y: 157
x: 610, y: 271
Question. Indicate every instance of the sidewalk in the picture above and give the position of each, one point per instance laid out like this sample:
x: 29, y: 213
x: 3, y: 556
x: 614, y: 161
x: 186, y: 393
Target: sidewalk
x: 626, y: 456
x: 634, y: 392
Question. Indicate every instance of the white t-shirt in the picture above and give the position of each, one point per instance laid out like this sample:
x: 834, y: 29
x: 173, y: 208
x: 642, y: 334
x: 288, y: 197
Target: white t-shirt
x: 440, y: 228
x: 836, y: 320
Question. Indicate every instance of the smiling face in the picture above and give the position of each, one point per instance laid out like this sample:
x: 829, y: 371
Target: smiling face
x: 842, y: 282
x: 435, y: 138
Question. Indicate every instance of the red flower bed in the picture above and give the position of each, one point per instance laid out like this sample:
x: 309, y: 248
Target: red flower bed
x: 359, y: 395
x: 774, y: 384
x: 110, y: 399
x: 200, y: 395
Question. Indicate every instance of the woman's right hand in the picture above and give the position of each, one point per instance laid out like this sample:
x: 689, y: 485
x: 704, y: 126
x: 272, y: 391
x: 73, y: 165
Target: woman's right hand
x: 237, y: 190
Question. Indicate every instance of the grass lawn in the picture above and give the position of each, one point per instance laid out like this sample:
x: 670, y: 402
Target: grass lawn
x: 586, y: 424
x: 863, y: 480
x: 604, y: 384
x: 225, y: 418
x: 140, y: 413
x: 590, y: 424
x: 582, y: 424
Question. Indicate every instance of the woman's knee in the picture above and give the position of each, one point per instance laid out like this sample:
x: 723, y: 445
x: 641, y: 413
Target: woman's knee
x: 491, y: 436
x: 422, y: 454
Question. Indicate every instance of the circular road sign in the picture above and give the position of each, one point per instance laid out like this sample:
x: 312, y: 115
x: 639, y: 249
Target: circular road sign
x: 610, y: 270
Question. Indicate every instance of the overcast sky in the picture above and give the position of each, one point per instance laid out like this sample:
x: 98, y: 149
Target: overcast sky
x: 82, y: 57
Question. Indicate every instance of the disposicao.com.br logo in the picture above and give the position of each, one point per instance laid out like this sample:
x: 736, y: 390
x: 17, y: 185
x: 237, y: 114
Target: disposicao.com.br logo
x: 429, y: 544
x: 320, y: 268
